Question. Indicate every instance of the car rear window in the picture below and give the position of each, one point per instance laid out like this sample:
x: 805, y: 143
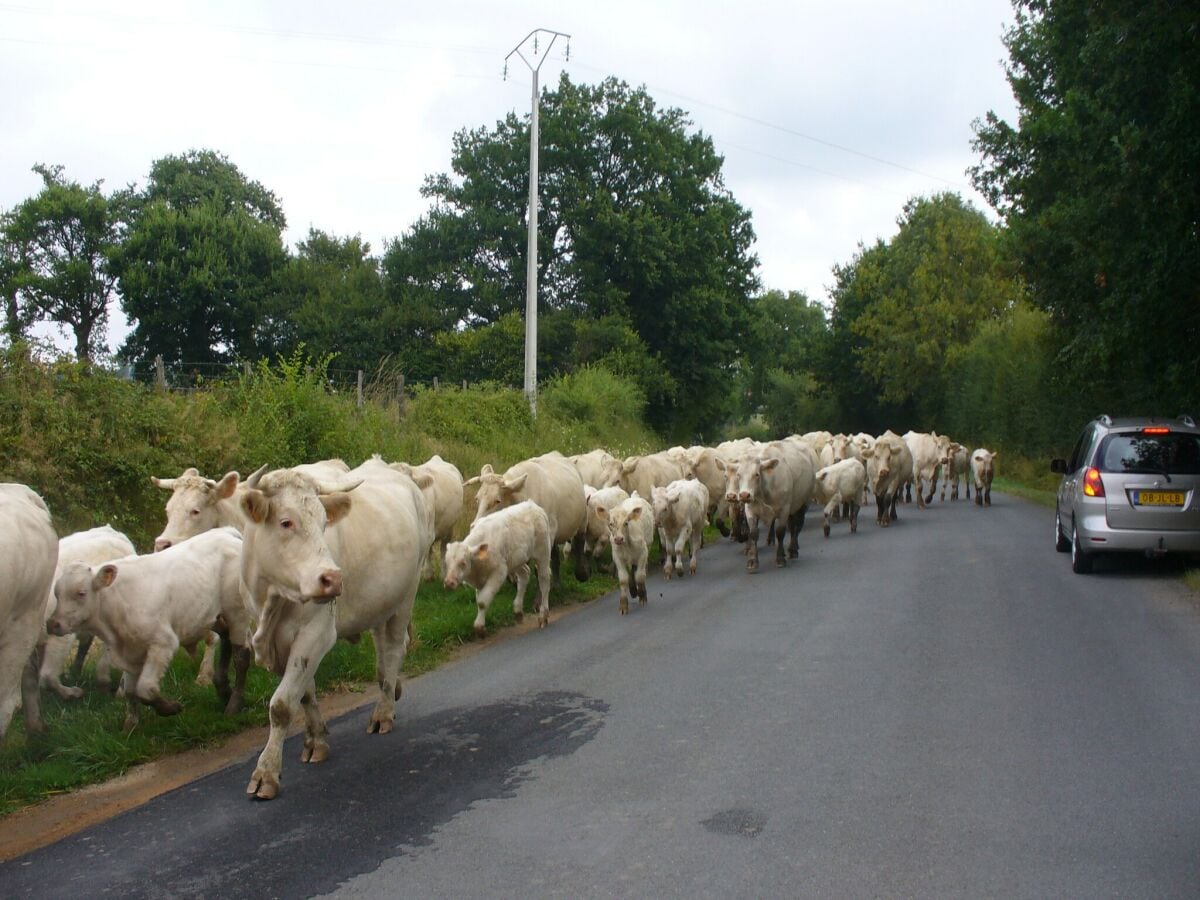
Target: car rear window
x: 1176, y: 453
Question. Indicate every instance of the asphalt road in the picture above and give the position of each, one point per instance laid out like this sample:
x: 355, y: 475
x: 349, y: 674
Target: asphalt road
x: 936, y: 709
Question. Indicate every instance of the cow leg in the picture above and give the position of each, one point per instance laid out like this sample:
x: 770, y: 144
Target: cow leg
x: 681, y: 542
x: 484, y: 596
x: 54, y: 658
x: 987, y: 496
x: 308, y: 648
x: 640, y: 568
x: 854, y: 508
x: 391, y: 641
x: 133, y: 709
x: 795, y: 523
x: 104, y: 674
x: 221, y: 670
x: 241, y: 664
x: 543, y: 571
x: 519, y: 595
x: 978, y: 494
x: 696, y: 540
x: 207, y: 661
x: 316, y: 732
x: 31, y: 701
x: 582, y: 571
x: 623, y: 581
x: 892, y: 515
x: 148, y: 689
x: 81, y: 652
x: 751, y: 542
x: 556, y: 565
x: 967, y: 485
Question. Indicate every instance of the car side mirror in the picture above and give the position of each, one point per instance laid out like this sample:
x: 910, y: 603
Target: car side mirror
x: 1058, y: 466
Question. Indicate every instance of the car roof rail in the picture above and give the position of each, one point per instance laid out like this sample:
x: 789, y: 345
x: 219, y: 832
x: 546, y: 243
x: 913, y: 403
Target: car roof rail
x: 1186, y: 420
x: 1105, y: 419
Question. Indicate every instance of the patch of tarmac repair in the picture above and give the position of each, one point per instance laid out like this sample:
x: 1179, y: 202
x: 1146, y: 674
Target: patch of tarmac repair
x: 747, y: 823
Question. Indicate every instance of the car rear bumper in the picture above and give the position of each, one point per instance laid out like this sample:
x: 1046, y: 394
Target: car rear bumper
x: 1096, y: 535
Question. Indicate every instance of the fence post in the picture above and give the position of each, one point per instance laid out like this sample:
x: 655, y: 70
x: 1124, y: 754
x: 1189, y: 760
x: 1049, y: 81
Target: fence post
x: 360, y: 388
x: 160, y: 373
x: 435, y: 382
x: 246, y: 368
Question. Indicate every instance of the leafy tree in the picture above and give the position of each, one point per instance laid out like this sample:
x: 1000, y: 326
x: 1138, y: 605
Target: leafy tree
x: 920, y: 298
x: 635, y: 221
x: 1099, y: 185
x: 785, y: 332
x: 57, y: 248
x: 199, y: 266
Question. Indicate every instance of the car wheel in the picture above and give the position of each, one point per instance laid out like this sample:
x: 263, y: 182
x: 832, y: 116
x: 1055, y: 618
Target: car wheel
x: 1061, y: 544
x: 1081, y: 563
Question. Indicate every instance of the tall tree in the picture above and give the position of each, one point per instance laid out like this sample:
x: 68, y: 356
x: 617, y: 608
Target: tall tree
x: 198, y: 268
x: 58, y: 246
x: 1099, y: 185
x: 635, y: 221
x: 786, y: 332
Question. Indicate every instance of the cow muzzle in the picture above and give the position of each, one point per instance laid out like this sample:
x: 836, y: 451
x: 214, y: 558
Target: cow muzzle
x: 161, y: 544
x: 56, y: 627
x: 744, y: 496
x: 329, y: 585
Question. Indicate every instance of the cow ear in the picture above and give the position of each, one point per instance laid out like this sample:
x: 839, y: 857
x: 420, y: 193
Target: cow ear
x: 720, y: 463
x: 769, y: 464
x: 256, y: 506
x: 512, y: 485
x: 867, y: 452
x: 104, y: 576
x: 602, y: 512
x: 336, y: 506
x: 636, y: 514
x: 481, y: 552
x: 227, y: 485
x: 420, y: 479
x: 995, y: 453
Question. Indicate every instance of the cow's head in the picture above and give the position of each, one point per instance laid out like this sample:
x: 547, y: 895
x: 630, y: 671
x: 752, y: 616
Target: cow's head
x: 495, y: 491
x: 193, y: 505
x: 624, y: 521
x: 460, y: 556
x: 287, y: 513
x: 75, y: 594
x: 750, y: 475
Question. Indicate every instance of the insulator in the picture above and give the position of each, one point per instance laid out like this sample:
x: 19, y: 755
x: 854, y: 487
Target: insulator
x: 567, y: 57
x: 535, y: 37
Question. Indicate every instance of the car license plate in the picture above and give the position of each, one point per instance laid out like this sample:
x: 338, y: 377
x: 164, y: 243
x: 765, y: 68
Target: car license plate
x: 1158, y: 498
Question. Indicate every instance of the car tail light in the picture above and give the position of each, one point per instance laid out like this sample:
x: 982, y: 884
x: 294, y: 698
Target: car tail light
x: 1092, y: 485
x: 1157, y: 429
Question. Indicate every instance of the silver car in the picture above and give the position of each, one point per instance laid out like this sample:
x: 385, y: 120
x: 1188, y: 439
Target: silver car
x: 1131, y: 485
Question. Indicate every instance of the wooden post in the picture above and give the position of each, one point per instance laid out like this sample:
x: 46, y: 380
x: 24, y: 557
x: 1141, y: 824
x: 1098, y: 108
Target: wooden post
x: 360, y: 388
x: 160, y: 373
x: 464, y: 384
x: 246, y: 368
x: 435, y: 382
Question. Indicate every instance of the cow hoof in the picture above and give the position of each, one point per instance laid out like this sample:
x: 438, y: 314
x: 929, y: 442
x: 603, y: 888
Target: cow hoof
x: 379, y: 726
x: 480, y: 631
x: 624, y: 609
x: 314, y: 752
x: 751, y: 566
x: 263, y: 786
x: 204, y: 679
x: 692, y: 569
x: 166, y: 707
x: 520, y: 617
x: 233, y: 706
x: 129, y: 724
x: 781, y: 563
x: 70, y: 693
x: 825, y: 528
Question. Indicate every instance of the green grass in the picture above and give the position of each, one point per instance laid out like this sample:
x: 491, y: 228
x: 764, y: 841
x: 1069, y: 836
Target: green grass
x: 84, y: 742
x: 1038, y: 495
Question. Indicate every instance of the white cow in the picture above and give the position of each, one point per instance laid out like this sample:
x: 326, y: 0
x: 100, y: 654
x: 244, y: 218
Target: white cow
x: 95, y: 546
x: 28, y: 554
x: 702, y: 465
x: 500, y: 546
x: 955, y: 465
x: 362, y: 540
x: 926, y: 456
x: 597, y: 525
x: 889, y: 468
x: 775, y: 485
x: 982, y: 470
x: 145, y: 607
x: 444, y: 495
x: 644, y: 473
x: 599, y: 468
x: 631, y: 532
x: 680, y: 510
x: 842, y: 482
x: 554, y: 484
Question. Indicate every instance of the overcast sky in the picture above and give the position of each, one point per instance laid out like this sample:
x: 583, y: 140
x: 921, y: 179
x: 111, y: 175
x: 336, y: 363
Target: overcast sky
x: 829, y: 115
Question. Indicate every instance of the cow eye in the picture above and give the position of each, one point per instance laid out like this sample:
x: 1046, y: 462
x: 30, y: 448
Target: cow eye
x: 195, y: 512
x: 81, y: 594
x: 286, y: 523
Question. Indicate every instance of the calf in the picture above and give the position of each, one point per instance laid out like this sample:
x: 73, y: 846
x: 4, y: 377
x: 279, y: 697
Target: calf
x: 955, y: 465
x: 982, y: 469
x: 95, y: 546
x: 631, y: 531
x: 842, y: 482
x: 28, y: 554
x: 597, y: 525
x: 145, y: 607
x: 680, y: 510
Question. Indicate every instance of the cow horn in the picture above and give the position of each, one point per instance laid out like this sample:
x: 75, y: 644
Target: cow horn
x: 167, y: 484
x: 338, y: 487
x: 252, y: 481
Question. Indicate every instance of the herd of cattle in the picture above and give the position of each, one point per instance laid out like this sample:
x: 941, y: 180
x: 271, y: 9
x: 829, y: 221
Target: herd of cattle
x: 281, y: 565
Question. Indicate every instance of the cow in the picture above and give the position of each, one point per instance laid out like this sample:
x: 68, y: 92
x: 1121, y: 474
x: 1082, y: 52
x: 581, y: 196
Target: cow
x: 644, y: 473
x: 28, y: 554
x: 442, y: 484
x: 631, y: 532
x: 774, y: 485
x: 597, y: 525
x: 499, y: 546
x: 926, y: 456
x: 599, y: 468
x: 95, y: 546
x: 729, y: 452
x: 955, y: 465
x: 145, y: 607
x: 554, y: 484
x: 701, y: 464
x: 680, y: 510
x: 889, y: 467
x: 361, y: 540
x: 982, y: 469
x: 840, y: 483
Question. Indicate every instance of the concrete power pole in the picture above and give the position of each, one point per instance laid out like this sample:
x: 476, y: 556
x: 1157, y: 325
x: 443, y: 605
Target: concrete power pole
x: 531, y: 246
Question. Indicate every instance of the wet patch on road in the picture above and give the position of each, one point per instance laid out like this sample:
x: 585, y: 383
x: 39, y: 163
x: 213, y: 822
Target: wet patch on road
x: 373, y: 798
x: 747, y: 823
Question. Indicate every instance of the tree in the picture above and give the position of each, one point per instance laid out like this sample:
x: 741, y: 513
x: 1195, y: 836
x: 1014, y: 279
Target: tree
x: 635, y: 222
x: 198, y: 268
x: 56, y: 262
x: 785, y: 333
x: 1099, y: 186
x: 912, y: 304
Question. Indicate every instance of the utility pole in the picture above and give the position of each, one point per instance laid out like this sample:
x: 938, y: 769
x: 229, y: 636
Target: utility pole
x: 532, y: 219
